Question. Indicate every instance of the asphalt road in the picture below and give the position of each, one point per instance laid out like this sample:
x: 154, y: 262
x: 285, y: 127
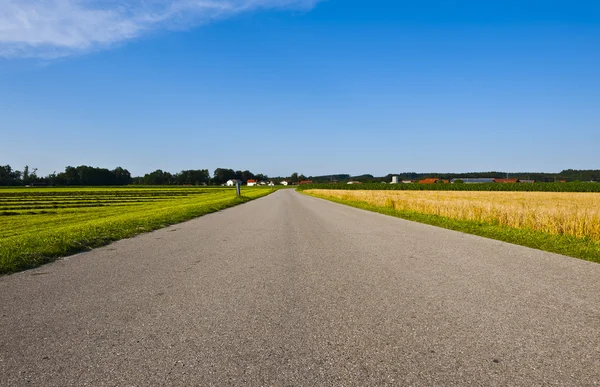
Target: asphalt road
x: 293, y: 290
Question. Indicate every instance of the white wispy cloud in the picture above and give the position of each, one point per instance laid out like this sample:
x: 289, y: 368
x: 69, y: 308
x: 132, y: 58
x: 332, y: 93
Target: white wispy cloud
x: 56, y: 28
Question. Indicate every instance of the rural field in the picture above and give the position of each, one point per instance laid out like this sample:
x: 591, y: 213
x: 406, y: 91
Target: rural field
x: 520, y: 187
x: 568, y: 221
x: 38, y: 225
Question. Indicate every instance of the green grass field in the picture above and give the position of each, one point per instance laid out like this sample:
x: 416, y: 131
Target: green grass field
x: 40, y: 225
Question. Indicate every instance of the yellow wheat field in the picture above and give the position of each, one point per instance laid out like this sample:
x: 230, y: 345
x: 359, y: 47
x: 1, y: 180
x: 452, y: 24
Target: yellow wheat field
x: 569, y: 213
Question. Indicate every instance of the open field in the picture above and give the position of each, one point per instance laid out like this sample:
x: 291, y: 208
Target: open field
x: 564, y: 222
x: 519, y: 187
x: 263, y: 292
x: 38, y: 225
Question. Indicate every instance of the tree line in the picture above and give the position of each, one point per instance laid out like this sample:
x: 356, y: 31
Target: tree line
x: 92, y: 176
x: 567, y: 175
x: 81, y: 175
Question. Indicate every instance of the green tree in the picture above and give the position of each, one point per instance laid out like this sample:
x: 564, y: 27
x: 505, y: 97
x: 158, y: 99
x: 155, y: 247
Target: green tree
x: 8, y: 176
x: 261, y: 177
x: 247, y: 175
x: 222, y: 175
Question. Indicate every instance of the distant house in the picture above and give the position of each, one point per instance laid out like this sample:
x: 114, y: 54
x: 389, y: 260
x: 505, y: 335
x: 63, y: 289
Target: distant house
x: 407, y: 181
x: 252, y: 183
x: 429, y: 181
x: 506, y: 181
x: 285, y: 183
x: 354, y: 182
x: 271, y: 184
x: 262, y: 183
x: 528, y: 181
x: 233, y: 182
x: 305, y: 182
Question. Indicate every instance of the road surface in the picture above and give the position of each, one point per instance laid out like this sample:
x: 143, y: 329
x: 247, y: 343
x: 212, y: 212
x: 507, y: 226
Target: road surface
x: 294, y: 290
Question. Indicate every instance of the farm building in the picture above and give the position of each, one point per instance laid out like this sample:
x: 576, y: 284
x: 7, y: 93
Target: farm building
x: 394, y: 179
x: 429, y: 181
x: 506, y: 181
x: 285, y: 183
x: 233, y: 182
x: 305, y: 182
x: 252, y: 183
x: 528, y: 181
x: 354, y: 182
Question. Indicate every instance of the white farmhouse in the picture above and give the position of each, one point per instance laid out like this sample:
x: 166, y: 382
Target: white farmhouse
x: 284, y: 183
x: 252, y: 183
x: 233, y: 182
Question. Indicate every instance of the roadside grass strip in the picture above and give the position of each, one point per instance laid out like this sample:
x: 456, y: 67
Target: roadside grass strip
x: 580, y: 240
x: 34, y: 236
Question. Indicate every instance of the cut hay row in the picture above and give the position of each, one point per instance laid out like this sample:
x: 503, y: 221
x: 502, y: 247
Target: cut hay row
x: 37, y: 230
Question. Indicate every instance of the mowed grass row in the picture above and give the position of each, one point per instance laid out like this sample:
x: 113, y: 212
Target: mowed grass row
x: 562, y: 222
x: 45, y: 202
x: 36, y: 233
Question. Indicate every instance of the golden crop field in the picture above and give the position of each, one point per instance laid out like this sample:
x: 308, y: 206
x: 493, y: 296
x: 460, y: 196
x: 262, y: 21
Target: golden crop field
x: 563, y: 213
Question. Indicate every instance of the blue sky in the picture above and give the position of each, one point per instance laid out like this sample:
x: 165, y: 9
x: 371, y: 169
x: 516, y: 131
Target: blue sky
x: 317, y: 87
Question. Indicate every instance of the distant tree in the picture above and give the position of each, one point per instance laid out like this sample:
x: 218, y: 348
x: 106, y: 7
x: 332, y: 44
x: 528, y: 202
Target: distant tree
x: 86, y: 175
x: 247, y: 175
x: 69, y: 176
x: 192, y: 177
x: 121, y: 176
x: 261, y: 177
x: 329, y: 178
x: 302, y: 178
x: 32, y: 178
x: 222, y: 175
x: 26, y: 174
x: 364, y: 178
x: 8, y: 176
x: 294, y: 177
x: 158, y: 177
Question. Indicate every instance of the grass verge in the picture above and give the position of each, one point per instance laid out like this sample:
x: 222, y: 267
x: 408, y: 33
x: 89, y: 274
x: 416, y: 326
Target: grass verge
x: 561, y: 244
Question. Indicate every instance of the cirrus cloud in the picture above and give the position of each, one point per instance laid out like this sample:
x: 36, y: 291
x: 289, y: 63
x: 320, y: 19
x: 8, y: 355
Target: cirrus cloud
x: 57, y: 28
